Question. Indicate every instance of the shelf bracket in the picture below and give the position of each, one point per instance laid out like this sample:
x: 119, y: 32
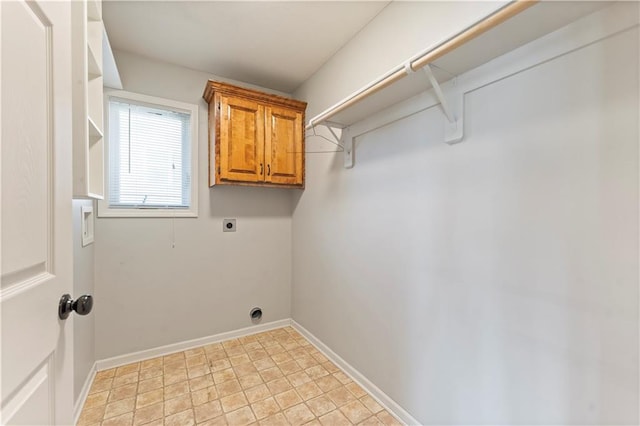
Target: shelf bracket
x: 337, y: 142
x: 348, y: 144
x: 452, y: 106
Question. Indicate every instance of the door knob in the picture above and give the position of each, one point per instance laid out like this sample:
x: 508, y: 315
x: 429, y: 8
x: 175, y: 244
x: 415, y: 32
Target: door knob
x: 82, y: 305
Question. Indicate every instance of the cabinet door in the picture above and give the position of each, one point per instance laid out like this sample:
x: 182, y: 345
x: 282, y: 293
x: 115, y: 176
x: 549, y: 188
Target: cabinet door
x: 241, y: 140
x: 284, y: 146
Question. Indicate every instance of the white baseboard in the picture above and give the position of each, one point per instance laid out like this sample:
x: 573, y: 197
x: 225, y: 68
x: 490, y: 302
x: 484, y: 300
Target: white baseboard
x: 382, y: 398
x: 105, y: 364
x: 84, y: 393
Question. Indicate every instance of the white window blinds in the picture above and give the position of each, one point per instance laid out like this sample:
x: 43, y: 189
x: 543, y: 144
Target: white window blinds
x: 149, y: 156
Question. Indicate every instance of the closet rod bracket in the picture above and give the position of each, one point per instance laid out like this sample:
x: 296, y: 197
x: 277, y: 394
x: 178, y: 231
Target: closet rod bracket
x: 349, y: 146
x: 452, y: 106
x: 333, y: 124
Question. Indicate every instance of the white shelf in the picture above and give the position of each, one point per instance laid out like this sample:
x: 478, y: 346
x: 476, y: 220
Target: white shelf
x: 109, y: 68
x: 94, y: 48
x: 94, y: 10
x: 528, y: 25
x: 94, y: 102
x: 94, y: 132
x: 88, y: 137
x: 93, y: 68
x: 96, y: 169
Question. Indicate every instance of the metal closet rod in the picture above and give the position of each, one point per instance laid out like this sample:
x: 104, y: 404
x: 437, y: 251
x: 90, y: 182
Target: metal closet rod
x: 425, y: 58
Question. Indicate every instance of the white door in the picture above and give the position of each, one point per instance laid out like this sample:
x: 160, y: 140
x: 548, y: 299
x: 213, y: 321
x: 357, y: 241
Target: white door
x: 36, y: 251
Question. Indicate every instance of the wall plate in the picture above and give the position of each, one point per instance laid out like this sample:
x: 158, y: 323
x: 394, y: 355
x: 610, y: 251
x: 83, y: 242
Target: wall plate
x: 87, y: 225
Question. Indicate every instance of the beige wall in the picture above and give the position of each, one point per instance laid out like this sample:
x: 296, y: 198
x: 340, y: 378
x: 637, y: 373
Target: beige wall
x: 149, y: 294
x: 494, y: 281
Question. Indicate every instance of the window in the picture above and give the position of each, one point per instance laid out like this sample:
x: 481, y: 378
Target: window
x: 151, y: 157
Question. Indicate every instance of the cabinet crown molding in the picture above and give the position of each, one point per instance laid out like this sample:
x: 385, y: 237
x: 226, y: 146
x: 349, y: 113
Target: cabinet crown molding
x: 213, y: 87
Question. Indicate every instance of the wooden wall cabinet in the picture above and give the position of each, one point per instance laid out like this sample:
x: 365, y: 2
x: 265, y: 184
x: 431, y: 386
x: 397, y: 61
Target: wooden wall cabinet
x: 255, y: 138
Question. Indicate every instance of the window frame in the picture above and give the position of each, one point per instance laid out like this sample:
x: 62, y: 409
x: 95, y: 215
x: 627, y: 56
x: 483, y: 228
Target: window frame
x: 104, y: 210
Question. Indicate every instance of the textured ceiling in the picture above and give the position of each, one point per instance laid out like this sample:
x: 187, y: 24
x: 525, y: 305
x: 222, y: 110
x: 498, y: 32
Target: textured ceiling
x: 277, y: 45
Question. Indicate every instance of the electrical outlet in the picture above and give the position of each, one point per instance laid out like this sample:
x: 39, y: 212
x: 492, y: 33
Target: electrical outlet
x: 229, y: 225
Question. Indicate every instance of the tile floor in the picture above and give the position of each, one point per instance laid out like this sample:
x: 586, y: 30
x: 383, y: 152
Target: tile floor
x: 271, y: 378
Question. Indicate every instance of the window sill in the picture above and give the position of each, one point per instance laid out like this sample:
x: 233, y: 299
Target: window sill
x: 104, y: 211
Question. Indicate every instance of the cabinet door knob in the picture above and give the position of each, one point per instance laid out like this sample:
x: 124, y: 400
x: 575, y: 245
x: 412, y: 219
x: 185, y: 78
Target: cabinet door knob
x: 261, y: 168
x: 268, y: 169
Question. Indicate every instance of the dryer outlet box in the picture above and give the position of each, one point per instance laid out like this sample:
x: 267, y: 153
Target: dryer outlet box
x: 229, y: 225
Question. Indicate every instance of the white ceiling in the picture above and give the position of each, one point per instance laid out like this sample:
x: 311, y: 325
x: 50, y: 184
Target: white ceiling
x: 273, y: 44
